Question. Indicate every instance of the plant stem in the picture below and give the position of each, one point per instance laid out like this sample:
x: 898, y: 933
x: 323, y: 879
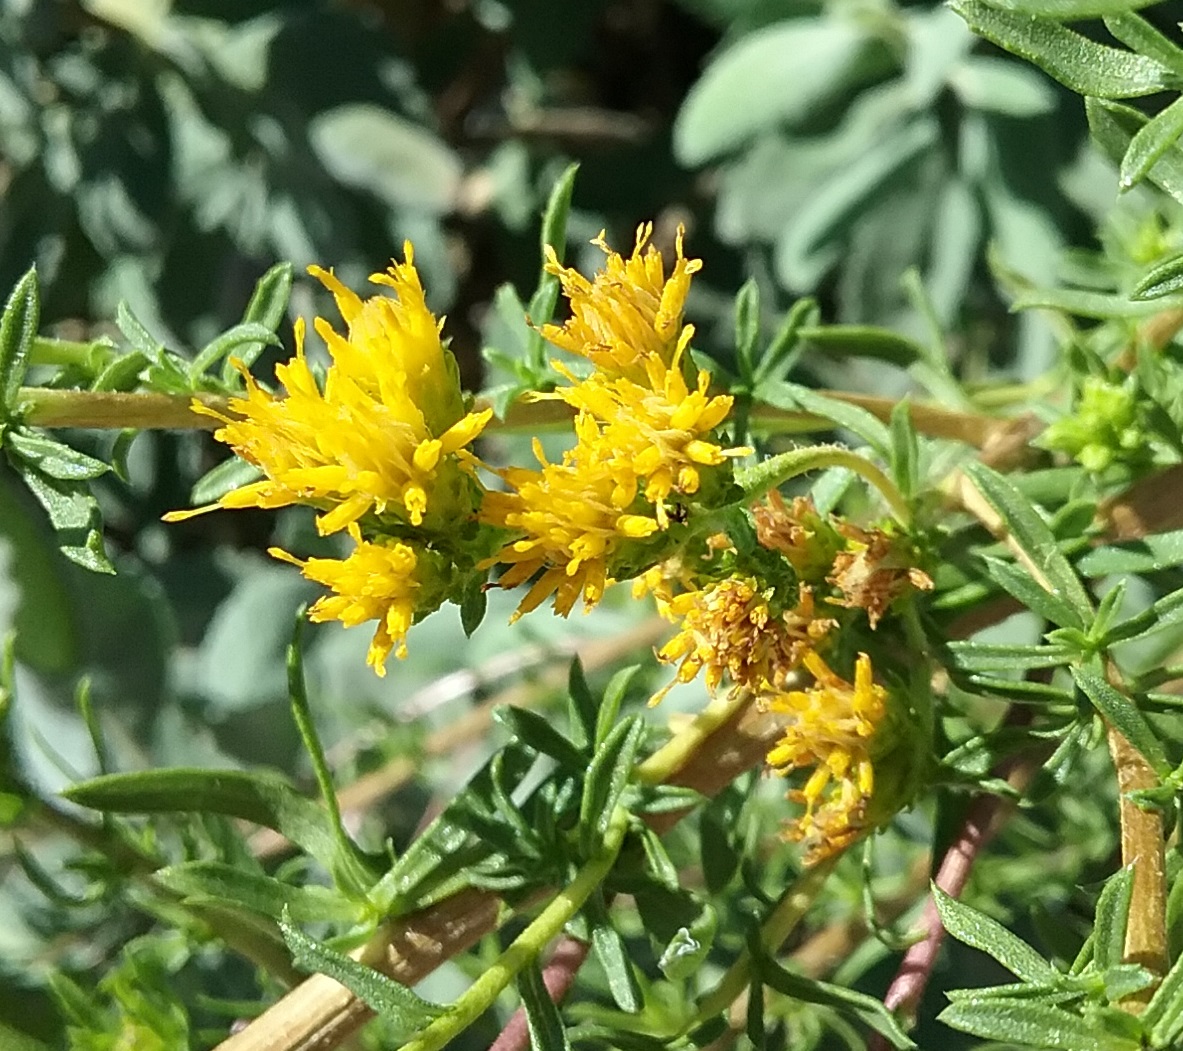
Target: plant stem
x: 558, y: 977
x: 106, y: 410
x: 1143, y: 846
x: 788, y: 913
x: 528, y: 946
x: 674, y: 754
x: 46, y: 407
x: 763, y: 477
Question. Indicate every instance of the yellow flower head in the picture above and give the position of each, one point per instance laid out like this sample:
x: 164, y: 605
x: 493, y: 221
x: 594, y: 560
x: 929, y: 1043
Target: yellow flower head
x: 389, y: 582
x: 729, y: 627
x: 571, y: 519
x: 660, y: 432
x: 832, y: 726
x: 629, y: 312
x: 386, y: 436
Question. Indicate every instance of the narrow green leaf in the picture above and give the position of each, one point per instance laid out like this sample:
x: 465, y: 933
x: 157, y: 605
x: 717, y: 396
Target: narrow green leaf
x: 613, y: 956
x: 536, y: 732
x: 1100, y: 305
x: 228, y: 475
x: 1113, y: 910
x: 53, y: 457
x: 1121, y: 713
x: 247, y: 334
x: 1163, y: 280
x: 747, y: 327
x: 1114, y: 126
x: 607, y: 775
x: 74, y: 514
x: 267, y: 307
x: 257, y: 892
x: 402, y: 1009
x: 979, y: 931
x: 1139, y: 35
x: 983, y: 656
x: 660, y: 865
x: 1019, y: 583
x: 266, y: 799
x: 1075, y: 61
x: 1149, y: 144
x: 1148, y: 554
x: 542, y: 1014
x: 1017, y: 1022
x: 864, y: 341
x: 18, y: 328
x: 866, y: 1009
x: 558, y: 208
x: 786, y: 345
x: 1163, y: 1016
x: 121, y: 373
x: 905, y: 450
x: 614, y: 694
x: 1033, y: 535
x: 1070, y: 10
x: 792, y: 396
x: 1022, y: 690
x: 474, y: 603
x: 252, y: 936
x: 136, y: 334
x: 581, y: 706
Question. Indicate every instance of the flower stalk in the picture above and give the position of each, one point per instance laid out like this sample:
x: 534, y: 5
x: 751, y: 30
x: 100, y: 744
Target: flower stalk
x: 527, y: 946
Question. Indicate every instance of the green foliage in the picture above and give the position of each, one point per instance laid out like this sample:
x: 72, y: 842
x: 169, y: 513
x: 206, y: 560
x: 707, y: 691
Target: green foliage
x: 879, y: 186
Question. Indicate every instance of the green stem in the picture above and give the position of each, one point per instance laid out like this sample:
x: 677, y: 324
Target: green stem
x: 674, y: 754
x: 776, y: 929
x: 527, y: 947
x: 91, y: 354
x: 763, y: 477
x: 103, y: 410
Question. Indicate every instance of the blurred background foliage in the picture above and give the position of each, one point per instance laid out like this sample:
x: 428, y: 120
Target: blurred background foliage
x: 166, y: 154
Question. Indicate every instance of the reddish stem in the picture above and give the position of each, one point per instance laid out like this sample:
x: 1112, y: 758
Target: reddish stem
x: 986, y: 816
x: 558, y: 976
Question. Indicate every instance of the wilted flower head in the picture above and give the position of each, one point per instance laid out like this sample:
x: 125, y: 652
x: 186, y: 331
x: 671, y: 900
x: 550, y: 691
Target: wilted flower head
x: 873, y: 571
x: 807, y: 539
x: 733, y: 627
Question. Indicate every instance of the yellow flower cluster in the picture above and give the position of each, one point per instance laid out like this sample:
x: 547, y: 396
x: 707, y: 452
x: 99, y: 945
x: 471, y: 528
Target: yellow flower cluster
x: 643, y: 433
x: 738, y: 624
x: 379, y: 448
